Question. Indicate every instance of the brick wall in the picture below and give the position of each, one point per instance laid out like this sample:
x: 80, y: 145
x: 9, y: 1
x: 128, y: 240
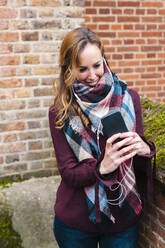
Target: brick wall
x: 133, y: 35
x: 134, y: 40
x: 152, y: 225
x: 31, y: 33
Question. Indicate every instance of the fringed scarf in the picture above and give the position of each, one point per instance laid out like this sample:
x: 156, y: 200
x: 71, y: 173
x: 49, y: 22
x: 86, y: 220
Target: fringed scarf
x: 109, y: 95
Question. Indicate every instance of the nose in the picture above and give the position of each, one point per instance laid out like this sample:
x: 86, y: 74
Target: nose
x: 91, y: 75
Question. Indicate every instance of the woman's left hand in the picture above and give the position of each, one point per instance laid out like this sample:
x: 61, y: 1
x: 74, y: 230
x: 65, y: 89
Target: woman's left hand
x: 140, y: 146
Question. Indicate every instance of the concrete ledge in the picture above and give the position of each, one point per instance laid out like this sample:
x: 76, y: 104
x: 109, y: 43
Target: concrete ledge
x: 32, y: 206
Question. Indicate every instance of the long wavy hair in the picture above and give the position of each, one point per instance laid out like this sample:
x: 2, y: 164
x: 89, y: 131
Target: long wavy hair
x: 73, y: 43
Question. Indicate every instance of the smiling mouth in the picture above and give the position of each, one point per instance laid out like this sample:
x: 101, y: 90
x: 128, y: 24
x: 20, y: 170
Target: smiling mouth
x: 92, y: 82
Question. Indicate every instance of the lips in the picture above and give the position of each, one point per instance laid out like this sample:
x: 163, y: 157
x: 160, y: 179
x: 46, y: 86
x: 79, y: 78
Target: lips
x: 93, y: 82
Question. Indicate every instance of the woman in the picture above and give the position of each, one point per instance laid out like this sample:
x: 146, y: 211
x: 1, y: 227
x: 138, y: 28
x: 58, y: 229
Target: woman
x: 96, y: 128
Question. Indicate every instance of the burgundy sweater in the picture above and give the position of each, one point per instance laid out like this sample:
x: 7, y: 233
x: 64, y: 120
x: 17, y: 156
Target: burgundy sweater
x: 71, y: 206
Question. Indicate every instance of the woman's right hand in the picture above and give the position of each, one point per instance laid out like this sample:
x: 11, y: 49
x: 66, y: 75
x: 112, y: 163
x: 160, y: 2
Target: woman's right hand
x: 117, y: 153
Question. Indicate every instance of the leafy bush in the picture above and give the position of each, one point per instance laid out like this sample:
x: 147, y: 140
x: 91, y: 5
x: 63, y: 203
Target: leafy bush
x: 154, y: 127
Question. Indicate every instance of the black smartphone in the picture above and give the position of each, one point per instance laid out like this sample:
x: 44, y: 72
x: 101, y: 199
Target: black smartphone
x: 113, y: 124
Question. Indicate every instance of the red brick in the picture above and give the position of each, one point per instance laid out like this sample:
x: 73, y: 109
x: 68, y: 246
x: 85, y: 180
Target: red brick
x: 104, y: 11
x: 33, y: 124
x: 116, y: 11
x: 87, y: 3
x: 31, y: 59
x: 35, y: 145
x: 23, y: 93
x: 151, y: 34
x: 9, y: 60
x: 90, y: 11
x: 116, y: 42
x: 6, y: 94
x: 7, y: 72
x: 48, y: 81
x: 151, y: 62
x: 128, y: 27
x: 128, y: 19
x: 128, y: 11
x: 12, y: 126
x: 9, y: 138
x: 128, y: 49
x: 31, y: 82
x: 128, y: 34
x: 129, y: 63
x: 87, y: 19
x: 47, y: 3
x: 128, y: 42
x: 161, y: 94
x: 43, y: 92
x: 150, y: 4
x: 128, y: 3
x: 161, y: 26
x: 152, y: 19
x: 151, y: 55
x: 30, y: 36
x: 8, y: 13
x: 3, y: 25
x: 151, y: 48
x: 104, y: 3
x: 8, y: 37
x: 140, y: 56
x: 23, y: 71
x: 128, y: 56
x: 21, y: 48
x: 116, y: 26
x: 139, y: 27
x: 107, y: 34
x: 28, y: 13
x: 140, y: 11
x: 5, y: 48
x: 12, y: 148
x: 151, y: 95
x: 11, y: 83
x: 152, y: 75
x: 12, y: 105
x: 117, y: 56
x: 151, y: 11
x: 104, y: 26
x: 162, y: 12
x: 103, y: 19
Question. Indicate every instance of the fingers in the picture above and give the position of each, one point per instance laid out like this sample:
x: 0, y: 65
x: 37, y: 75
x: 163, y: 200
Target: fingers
x: 113, y: 138
x: 124, y: 142
x: 126, y: 157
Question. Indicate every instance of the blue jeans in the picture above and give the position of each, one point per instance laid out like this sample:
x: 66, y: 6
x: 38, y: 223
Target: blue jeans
x: 67, y: 237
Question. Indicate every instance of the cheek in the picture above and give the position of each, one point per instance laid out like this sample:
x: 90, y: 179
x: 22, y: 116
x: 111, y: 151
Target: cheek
x: 100, y: 72
x: 81, y: 76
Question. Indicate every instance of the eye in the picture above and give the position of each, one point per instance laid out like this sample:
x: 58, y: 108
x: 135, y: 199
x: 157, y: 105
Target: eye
x: 83, y: 69
x: 97, y: 65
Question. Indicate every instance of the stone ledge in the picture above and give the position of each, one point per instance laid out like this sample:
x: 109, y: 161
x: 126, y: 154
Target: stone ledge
x: 31, y: 205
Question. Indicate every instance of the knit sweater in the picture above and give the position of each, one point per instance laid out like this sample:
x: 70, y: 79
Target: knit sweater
x: 71, y: 206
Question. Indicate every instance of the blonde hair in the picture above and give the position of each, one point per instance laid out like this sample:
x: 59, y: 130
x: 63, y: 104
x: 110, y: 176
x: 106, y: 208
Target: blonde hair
x: 73, y: 43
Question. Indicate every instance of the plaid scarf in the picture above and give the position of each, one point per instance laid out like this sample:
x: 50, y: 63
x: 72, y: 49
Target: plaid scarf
x: 109, y: 95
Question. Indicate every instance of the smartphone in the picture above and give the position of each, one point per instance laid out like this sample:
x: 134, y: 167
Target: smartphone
x: 113, y: 124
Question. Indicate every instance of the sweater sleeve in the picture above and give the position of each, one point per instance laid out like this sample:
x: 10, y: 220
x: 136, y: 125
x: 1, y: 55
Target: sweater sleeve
x: 74, y: 173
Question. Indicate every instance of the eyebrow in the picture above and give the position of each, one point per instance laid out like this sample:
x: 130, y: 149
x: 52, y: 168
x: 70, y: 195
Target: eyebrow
x: 81, y: 66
